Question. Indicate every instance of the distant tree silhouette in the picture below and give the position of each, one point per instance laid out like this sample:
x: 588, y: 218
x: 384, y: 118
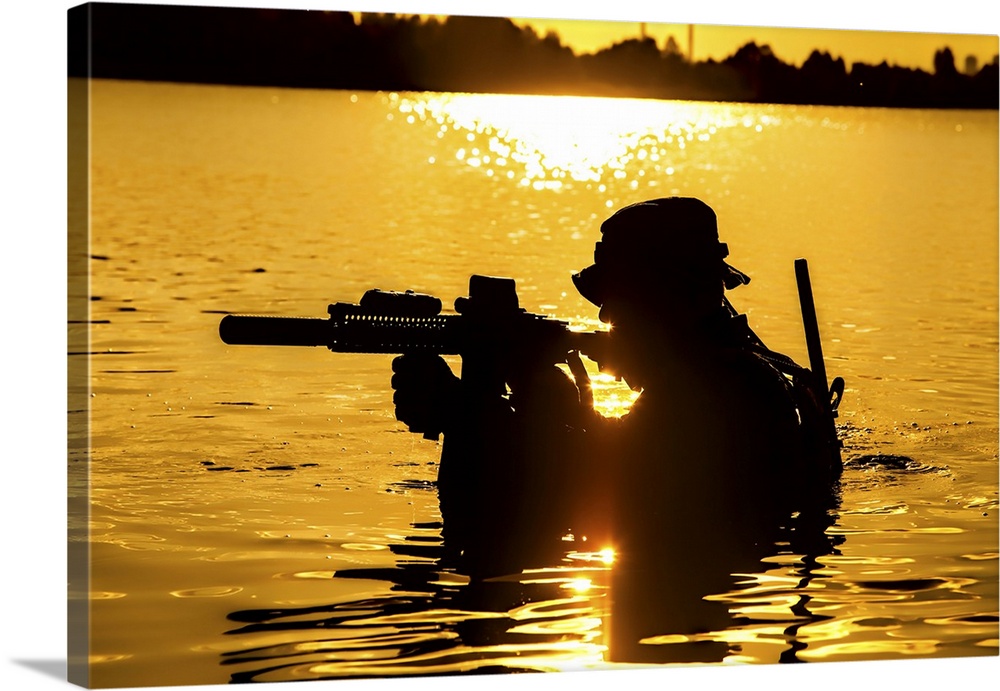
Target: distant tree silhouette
x: 944, y: 64
x: 984, y: 85
x: 823, y: 79
x: 888, y: 86
x: 487, y: 53
x: 948, y: 83
x: 319, y: 49
x: 628, y: 68
x: 671, y: 49
x: 767, y: 78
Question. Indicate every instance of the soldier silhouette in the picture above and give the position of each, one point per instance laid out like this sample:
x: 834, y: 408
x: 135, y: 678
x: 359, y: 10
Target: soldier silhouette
x: 721, y: 457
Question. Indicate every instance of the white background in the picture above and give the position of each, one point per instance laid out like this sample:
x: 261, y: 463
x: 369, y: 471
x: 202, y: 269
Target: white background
x: 33, y: 394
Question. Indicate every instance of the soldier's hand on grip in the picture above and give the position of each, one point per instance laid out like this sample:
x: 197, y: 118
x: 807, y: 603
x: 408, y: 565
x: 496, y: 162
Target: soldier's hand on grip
x: 426, y: 393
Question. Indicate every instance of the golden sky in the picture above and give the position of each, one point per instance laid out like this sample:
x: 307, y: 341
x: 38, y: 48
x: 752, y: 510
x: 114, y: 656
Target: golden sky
x: 907, y: 49
x: 904, y: 34
x: 878, y: 29
x: 908, y: 39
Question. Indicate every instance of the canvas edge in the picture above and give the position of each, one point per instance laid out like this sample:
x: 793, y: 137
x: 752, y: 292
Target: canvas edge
x: 78, y: 346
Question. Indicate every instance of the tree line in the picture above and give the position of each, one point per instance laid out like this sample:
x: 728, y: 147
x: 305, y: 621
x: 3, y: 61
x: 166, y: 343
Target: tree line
x: 324, y: 49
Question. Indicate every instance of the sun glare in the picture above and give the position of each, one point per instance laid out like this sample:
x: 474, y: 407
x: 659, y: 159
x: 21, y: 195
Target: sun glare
x: 579, y: 585
x: 545, y: 142
x: 612, y: 396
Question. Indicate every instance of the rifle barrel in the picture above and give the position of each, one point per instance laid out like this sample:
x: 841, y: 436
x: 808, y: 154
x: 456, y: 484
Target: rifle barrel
x: 237, y: 329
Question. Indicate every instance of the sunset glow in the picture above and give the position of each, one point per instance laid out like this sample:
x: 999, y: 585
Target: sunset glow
x: 793, y: 45
x: 897, y: 45
x: 541, y: 143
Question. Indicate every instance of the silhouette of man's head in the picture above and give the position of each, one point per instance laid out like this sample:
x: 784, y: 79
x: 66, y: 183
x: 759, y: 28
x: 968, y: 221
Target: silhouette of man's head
x: 659, y: 275
x: 661, y: 256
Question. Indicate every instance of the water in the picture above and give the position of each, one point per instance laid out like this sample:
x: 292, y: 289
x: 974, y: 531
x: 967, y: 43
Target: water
x: 258, y: 514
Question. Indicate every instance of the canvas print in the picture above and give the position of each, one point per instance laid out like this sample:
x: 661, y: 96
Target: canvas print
x: 414, y: 346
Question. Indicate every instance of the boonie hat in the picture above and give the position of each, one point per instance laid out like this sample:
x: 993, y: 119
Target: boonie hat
x: 672, y: 238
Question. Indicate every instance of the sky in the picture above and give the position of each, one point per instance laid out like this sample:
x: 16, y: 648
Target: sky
x: 791, y: 45
x: 877, y: 29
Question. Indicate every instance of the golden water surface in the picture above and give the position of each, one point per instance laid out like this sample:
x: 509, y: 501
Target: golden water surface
x: 258, y: 514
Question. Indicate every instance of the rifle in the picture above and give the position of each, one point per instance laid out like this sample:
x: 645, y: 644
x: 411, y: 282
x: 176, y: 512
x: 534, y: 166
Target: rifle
x: 490, y: 332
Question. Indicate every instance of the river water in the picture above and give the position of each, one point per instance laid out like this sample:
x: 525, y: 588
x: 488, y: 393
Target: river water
x: 257, y: 514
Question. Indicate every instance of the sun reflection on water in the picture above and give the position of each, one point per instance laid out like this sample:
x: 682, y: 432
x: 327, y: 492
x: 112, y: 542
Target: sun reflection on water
x: 552, y: 142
